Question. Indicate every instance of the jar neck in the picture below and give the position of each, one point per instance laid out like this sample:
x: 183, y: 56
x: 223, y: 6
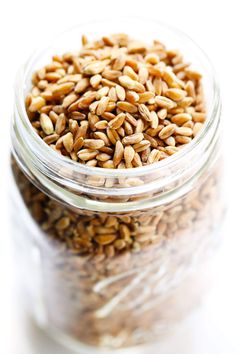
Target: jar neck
x: 93, y: 188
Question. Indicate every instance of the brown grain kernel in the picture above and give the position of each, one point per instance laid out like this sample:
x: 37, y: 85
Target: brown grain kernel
x: 68, y: 141
x: 117, y: 122
x: 51, y: 138
x: 118, y: 154
x: 146, y: 96
x: 132, y: 96
x: 95, y: 80
x: 102, y: 92
x: 128, y: 155
x: 87, y: 154
x: 171, y: 150
x: 127, y: 82
x: 102, y: 105
x: 145, y: 113
x: 103, y: 157
x: 62, y: 89
x: 167, y: 131
x: 180, y: 139
x: 193, y: 75
x: 63, y: 223
x: 120, y: 91
x: 111, y: 74
x: 95, y: 67
x: 132, y: 139
x: 78, y: 144
x: 36, y: 104
x: 143, y: 145
x: 102, y: 124
x: 199, y: 117
x: 112, y: 135
x: 60, y: 124
x: 112, y: 94
x: 127, y: 107
x: 170, y: 141
x: 181, y: 118
x: 143, y: 75
x: 108, y: 164
x: 105, y: 239
x: 102, y: 136
x: 93, y: 143
x: 119, y: 62
x: 46, y: 124
x: 82, y: 85
x: 175, y: 94
x: 152, y: 141
x: 154, y: 156
x: 183, y: 131
x: 162, y: 113
x: 164, y: 102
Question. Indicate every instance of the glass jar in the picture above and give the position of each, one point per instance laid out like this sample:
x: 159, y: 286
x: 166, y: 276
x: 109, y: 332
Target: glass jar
x: 108, y: 256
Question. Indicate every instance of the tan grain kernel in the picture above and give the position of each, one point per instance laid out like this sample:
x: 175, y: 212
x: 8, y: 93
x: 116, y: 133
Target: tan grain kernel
x: 105, y: 239
x: 184, y: 131
x: 132, y: 139
x: 117, y: 122
x: 94, y: 143
x: 102, y: 105
x: 36, y: 104
x: 128, y: 155
x: 87, y: 154
x: 127, y: 107
x: 82, y: 85
x: 141, y: 146
x: 95, y: 80
x: 62, y: 89
x: 118, y: 154
x: 132, y: 96
x: 68, y: 141
x: 78, y: 144
x: 181, y: 118
x: 120, y: 91
x: 175, y: 94
x: 167, y: 131
x: 95, y: 67
x: 146, y: 96
x: 46, y: 124
x: 60, y: 124
x: 154, y: 156
x: 127, y: 82
x: 165, y: 102
x: 145, y: 113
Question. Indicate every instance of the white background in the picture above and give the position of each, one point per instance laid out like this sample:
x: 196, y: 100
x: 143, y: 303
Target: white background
x: 212, y: 24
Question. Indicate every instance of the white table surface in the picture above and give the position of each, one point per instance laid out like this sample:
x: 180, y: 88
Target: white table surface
x: 212, y: 330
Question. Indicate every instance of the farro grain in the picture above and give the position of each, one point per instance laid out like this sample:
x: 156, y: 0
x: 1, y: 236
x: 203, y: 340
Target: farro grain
x: 94, y: 144
x: 117, y: 95
x: 133, y: 139
x: 118, y: 121
x: 167, y: 131
x: 46, y: 124
x: 127, y: 107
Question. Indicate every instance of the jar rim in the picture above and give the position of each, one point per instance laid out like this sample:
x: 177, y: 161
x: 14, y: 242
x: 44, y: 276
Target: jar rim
x: 108, y: 172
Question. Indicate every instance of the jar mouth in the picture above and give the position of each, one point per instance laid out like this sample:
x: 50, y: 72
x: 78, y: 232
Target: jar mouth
x: 59, y: 174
